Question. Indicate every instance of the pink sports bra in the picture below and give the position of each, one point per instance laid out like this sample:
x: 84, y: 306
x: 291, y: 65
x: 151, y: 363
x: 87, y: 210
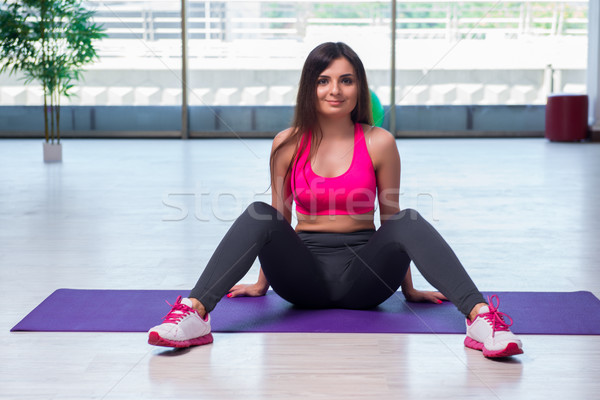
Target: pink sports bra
x: 351, y: 193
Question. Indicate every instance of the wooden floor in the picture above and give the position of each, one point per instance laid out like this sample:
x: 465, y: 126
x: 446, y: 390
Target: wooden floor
x: 522, y: 214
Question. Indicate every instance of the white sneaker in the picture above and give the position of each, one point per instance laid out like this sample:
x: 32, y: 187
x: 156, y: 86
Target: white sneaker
x: 182, y: 327
x: 489, y: 333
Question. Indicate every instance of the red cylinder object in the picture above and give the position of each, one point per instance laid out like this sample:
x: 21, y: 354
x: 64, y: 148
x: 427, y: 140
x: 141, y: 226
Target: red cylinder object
x: 567, y: 117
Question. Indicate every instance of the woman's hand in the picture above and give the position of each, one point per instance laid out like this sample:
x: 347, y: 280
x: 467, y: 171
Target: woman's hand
x: 422, y: 296
x: 253, y: 290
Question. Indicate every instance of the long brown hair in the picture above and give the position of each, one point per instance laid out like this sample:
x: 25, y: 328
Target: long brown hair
x: 305, y: 114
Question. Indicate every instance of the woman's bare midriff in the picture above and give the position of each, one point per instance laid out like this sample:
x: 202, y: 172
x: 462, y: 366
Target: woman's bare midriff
x: 335, y: 223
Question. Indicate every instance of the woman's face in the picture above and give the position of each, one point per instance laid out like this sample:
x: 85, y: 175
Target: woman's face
x: 337, y: 89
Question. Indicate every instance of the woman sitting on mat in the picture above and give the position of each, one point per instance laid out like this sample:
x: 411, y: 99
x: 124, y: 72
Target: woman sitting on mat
x: 333, y: 164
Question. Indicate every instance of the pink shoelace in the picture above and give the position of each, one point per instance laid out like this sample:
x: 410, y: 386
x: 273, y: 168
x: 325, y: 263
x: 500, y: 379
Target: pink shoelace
x: 496, y: 318
x: 178, y: 311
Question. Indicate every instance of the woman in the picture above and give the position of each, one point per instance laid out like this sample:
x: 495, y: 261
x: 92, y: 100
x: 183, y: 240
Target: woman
x: 333, y: 164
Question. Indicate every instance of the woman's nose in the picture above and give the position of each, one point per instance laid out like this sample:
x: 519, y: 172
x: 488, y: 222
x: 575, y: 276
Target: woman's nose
x: 335, y: 89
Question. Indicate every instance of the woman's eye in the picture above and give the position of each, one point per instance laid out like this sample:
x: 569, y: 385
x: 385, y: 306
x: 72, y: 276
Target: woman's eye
x: 347, y: 81
x: 322, y: 81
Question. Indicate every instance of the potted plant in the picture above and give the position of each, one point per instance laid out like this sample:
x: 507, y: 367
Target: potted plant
x: 49, y: 41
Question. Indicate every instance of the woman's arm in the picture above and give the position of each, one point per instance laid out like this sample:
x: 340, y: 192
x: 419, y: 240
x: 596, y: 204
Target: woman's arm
x: 281, y: 192
x: 281, y: 200
x: 386, y: 161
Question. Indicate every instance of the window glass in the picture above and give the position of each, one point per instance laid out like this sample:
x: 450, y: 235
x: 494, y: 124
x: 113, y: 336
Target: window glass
x: 495, y: 52
x: 140, y: 60
x: 244, y: 53
x: 256, y: 48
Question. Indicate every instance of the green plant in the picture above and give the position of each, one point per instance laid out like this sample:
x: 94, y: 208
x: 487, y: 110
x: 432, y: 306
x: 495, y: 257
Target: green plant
x: 49, y: 41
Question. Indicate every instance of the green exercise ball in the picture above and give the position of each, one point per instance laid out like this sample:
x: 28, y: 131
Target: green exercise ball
x: 376, y: 109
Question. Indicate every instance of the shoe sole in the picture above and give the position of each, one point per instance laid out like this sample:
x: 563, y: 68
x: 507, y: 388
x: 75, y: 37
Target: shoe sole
x: 156, y: 340
x: 512, y: 349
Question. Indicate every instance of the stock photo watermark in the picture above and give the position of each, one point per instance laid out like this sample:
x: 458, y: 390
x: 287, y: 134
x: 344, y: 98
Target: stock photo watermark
x: 205, y: 205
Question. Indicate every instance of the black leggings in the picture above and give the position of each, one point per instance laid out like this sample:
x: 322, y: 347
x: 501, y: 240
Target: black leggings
x: 357, y: 270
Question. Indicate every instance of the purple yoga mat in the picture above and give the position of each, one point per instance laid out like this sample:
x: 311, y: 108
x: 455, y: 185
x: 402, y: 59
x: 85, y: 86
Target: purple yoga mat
x: 72, y: 310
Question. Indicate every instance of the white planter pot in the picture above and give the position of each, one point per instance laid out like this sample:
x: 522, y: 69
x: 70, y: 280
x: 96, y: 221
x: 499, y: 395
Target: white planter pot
x: 52, y: 152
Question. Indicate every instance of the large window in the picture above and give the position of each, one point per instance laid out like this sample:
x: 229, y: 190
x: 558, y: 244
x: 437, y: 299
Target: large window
x: 140, y: 61
x: 244, y: 53
x: 258, y: 47
x: 500, y: 52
